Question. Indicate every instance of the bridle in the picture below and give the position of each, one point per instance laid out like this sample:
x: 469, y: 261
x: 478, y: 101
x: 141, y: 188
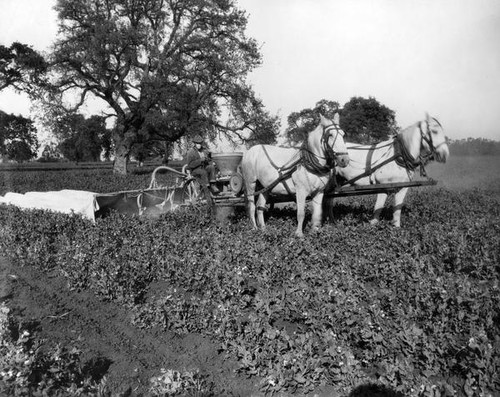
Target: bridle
x: 405, y: 158
x: 310, y: 159
x: 330, y: 153
x: 427, y: 138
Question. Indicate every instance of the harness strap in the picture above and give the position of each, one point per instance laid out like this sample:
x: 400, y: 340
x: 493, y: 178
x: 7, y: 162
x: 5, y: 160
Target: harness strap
x: 284, y: 173
x: 270, y: 159
x: 402, y: 157
x: 371, y: 170
x: 287, y: 188
x: 308, y: 159
x: 281, y: 179
x: 406, y: 160
x: 311, y: 162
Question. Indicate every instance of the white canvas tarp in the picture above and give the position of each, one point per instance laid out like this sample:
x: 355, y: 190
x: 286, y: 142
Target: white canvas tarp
x: 66, y: 201
x: 91, y: 205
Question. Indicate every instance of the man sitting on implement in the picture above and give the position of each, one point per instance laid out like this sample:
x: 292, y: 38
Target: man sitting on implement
x: 198, y: 162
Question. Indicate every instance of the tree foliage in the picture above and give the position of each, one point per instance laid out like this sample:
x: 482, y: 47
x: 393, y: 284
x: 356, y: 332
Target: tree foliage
x: 367, y: 120
x: 83, y: 139
x: 304, y: 121
x: 474, y: 146
x: 165, y: 69
x: 18, y: 139
x: 21, y: 67
x: 50, y: 153
x: 363, y: 120
x: 153, y: 149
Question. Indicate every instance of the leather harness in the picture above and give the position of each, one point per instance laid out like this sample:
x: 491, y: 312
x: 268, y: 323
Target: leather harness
x: 308, y: 159
x: 402, y: 156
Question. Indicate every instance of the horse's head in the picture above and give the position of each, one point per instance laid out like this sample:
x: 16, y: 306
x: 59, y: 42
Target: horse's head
x: 434, y: 139
x: 333, y: 138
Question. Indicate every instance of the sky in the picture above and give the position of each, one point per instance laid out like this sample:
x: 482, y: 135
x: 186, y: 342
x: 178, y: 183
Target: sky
x: 413, y: 56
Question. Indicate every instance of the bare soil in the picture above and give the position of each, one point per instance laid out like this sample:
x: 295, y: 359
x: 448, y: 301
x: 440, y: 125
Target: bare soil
x: 110, y: 344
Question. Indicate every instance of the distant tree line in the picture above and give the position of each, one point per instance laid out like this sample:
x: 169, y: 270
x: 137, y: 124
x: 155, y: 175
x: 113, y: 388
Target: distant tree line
x: 474, y: 147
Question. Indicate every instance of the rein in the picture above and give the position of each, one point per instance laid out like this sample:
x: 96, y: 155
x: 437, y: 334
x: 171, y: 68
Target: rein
x: 310, y: 159
x: 402, y: 155
x: 428, y: 139
x: 408, y: 161
x: 284, y: 172
x: 371, y: 170
x: 404, y: 158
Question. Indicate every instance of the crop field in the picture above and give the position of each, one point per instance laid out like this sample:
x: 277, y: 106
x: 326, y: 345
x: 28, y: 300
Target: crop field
x: 183, y: 305
x: 468, y: 172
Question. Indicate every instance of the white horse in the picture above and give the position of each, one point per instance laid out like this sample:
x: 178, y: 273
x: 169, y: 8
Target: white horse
x: 300, y: 172
x: 395, y: 160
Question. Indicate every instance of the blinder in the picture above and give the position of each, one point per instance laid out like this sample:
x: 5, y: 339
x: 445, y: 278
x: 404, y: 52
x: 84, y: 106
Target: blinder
x: 427, y: 137
x: 331, y: 155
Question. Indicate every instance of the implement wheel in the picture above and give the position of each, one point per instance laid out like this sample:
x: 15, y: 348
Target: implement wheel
x: 192, y: 192
x: 236, y: 183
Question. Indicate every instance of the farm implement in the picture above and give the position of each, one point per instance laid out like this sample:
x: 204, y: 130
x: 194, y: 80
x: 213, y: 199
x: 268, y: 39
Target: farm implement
x: 168, y: 189
x: 181, y: 189
x: 172, y: 188
x: 186, y: 191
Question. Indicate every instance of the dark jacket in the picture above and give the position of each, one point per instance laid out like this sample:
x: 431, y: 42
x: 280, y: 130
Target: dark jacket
x: 194, y: 159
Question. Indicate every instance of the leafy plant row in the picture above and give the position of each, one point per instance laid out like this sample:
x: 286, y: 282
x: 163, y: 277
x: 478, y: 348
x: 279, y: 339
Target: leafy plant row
x: 94, y: 180
x: 416, y: 309
x: 27, y: 370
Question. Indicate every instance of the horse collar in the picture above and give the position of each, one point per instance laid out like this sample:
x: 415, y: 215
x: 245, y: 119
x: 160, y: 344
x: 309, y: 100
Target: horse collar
x: 403, y: 157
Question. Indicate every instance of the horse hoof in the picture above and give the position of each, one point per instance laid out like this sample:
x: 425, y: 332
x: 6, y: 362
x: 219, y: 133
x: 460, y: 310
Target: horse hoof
x: 315, y: 230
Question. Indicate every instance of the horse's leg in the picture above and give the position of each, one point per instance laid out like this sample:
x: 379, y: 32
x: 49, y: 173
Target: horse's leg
x: 379, y: 206
x: 398, y: 205
x: 250, y: 189
x: 301, y: 212
x: 317, y: 205
x: 327, y: 208
x: 261, y: 207
x: 251, y: 211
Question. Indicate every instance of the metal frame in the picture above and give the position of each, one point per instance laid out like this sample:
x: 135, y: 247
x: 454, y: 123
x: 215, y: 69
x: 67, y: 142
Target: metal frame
x: 354, y: 190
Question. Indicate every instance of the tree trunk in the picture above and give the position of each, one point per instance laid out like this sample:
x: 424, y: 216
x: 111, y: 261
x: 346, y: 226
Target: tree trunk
x: 123, y: 148
x: 120, y: 165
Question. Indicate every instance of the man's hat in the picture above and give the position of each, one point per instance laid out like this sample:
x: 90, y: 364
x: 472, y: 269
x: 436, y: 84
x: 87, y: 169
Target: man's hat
x: 197, y: 139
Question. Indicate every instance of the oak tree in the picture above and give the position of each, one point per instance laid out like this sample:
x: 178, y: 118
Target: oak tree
x: 163, y: 68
